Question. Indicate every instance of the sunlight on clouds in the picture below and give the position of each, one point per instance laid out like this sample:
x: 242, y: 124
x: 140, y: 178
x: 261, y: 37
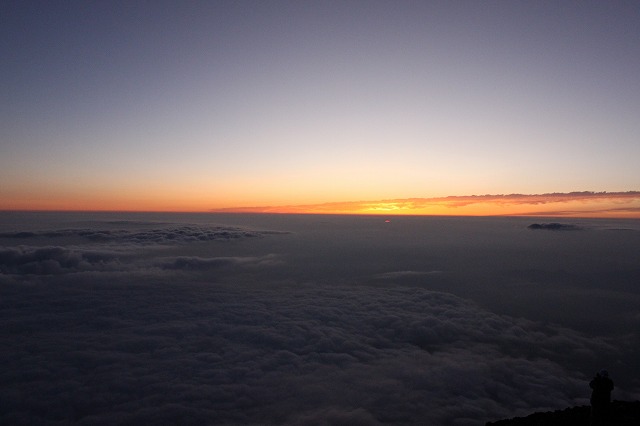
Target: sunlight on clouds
x: 385, y: 207
x: 585, y: 204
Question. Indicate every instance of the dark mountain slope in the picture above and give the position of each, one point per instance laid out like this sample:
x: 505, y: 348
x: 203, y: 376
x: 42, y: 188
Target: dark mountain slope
x: 623, y: 413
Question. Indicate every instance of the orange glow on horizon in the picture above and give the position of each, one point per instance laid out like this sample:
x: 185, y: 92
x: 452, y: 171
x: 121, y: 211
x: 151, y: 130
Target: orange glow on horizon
x: 578, y: 204
x: 575, y: 204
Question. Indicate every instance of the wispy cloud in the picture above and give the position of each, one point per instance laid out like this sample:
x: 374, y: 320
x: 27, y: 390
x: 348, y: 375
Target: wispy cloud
x: 585, y: 203
x: 402, y: 274
x: 196, y: 263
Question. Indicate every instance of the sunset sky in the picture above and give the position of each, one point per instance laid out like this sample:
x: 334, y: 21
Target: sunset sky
x: 212, y: 105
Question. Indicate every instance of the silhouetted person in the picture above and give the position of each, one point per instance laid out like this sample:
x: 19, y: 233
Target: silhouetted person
x: 602, y: 386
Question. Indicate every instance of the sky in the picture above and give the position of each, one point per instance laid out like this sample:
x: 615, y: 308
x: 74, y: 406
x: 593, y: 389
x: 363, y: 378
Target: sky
x: 227, y: 319
x: 200, y: 105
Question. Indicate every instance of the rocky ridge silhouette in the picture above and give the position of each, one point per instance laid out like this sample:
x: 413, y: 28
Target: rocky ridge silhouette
x: 623, y: 413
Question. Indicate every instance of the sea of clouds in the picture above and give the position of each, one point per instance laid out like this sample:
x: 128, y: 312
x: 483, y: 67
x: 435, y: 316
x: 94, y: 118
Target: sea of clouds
x: 330, y: 324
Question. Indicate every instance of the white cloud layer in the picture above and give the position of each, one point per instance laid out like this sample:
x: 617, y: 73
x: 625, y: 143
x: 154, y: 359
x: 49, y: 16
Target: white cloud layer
x: 220, y: 332
x: 129, y: 353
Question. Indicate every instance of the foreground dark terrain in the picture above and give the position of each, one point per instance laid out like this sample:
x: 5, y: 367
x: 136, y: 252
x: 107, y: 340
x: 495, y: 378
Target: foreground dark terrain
x: 624, y: 413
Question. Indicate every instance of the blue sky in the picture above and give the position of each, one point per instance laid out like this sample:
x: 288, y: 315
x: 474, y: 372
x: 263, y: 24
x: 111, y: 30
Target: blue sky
x: 196, y: 105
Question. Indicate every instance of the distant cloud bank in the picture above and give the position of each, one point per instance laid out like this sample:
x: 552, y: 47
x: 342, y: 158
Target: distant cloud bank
x: 554, y: 226
x: 55, y: 260
x: 157, y: 235
x: 585, y: 203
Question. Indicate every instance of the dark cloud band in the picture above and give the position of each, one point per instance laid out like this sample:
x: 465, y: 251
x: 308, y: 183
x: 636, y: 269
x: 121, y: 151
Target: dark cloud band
x: 167, y: 235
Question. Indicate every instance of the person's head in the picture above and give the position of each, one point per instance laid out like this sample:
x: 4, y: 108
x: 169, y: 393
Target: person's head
x: 603, y: 373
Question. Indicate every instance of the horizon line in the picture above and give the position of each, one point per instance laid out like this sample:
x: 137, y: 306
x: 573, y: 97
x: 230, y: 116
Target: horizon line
x: 589, y: 204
